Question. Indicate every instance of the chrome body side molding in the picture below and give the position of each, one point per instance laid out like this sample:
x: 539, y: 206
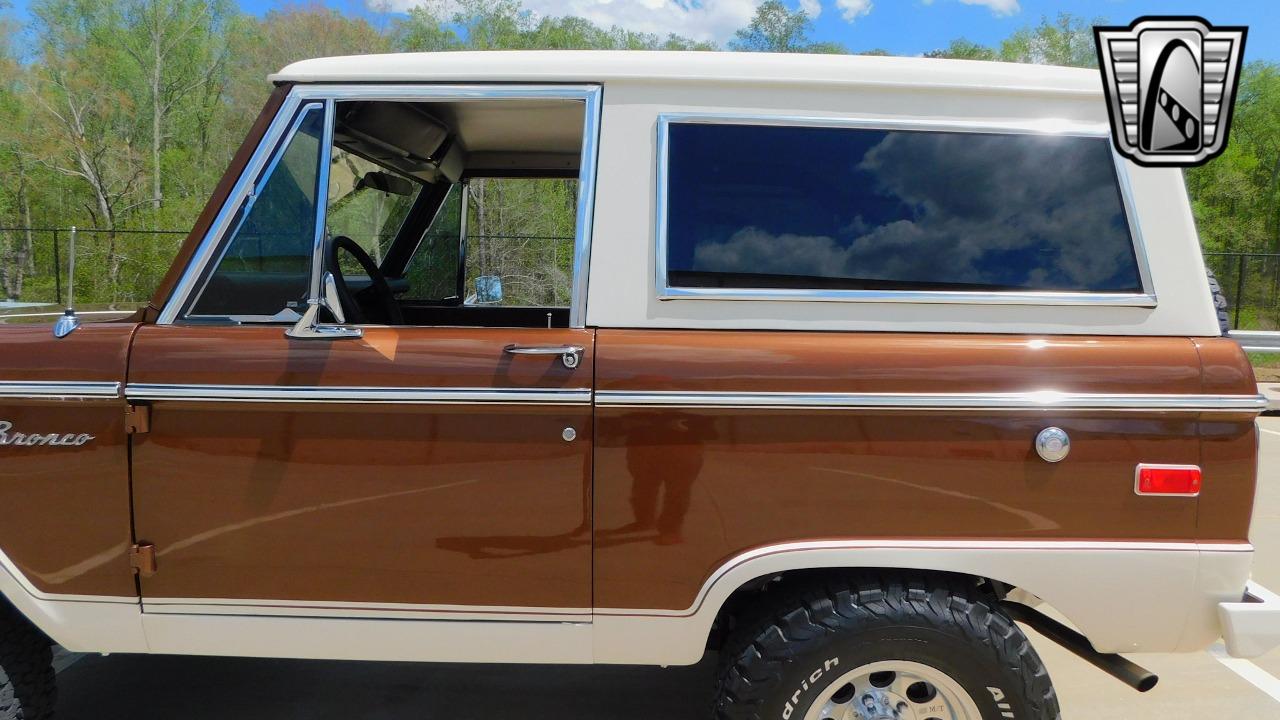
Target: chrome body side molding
x: 59, y: 390
x: 361, y: 610
x: 1018, y: 401
x: 313, y: 394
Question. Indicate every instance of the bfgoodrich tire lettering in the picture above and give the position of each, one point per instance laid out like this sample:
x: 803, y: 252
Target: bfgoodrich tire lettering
x: 779, y: 667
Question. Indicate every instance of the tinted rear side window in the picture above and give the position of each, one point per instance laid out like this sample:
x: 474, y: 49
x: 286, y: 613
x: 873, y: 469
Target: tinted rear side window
x: 853, y: 209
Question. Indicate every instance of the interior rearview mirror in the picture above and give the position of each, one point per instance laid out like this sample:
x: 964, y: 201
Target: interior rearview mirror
x: 385, y: 182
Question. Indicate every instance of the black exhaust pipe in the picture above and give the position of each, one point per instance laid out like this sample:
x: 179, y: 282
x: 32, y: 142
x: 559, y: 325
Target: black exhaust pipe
x: 1129, y: 673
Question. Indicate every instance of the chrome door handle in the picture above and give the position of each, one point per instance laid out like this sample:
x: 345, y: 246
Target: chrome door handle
x: 570, y: 355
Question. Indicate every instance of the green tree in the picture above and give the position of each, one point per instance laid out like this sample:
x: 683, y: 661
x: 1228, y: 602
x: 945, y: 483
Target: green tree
x: 424, y: 31
x: 1236, y: 197
x: 16, y: 249
x: 178, y: 49
x: 964, y: 49
x: 778, y: 29
x: 505, y: 25
x: 82, y: 85
x: 1066, y: 40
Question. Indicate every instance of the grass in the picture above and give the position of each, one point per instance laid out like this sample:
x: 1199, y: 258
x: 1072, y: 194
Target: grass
x: 1266, y: 366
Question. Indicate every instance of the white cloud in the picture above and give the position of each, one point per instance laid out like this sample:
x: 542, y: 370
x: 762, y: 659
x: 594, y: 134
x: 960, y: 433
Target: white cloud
x: 853, y: 9
x: 812, y: 8
x: 998, y: 7
x: 697, y: 19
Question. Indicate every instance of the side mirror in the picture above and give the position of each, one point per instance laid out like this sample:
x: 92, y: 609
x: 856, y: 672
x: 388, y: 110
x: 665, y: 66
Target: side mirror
x: 309, y: 326
x: 488, y: 290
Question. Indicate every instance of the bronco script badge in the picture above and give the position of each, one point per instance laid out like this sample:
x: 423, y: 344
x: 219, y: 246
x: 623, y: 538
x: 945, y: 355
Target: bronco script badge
x: 32, y: 439
x: 1170, y: 84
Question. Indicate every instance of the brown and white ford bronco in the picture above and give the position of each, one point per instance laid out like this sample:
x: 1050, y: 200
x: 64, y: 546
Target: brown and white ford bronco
x: 837, y: 367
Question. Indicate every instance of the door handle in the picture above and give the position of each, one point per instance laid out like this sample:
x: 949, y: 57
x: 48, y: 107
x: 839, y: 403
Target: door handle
x: 570, y: 355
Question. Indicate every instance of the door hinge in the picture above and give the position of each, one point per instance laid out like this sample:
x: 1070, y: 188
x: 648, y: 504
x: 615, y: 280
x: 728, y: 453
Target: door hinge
x: 137, y: 419
x: 142, y: 558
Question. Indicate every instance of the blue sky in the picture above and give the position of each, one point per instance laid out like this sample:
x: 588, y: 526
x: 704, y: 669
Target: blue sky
x: 903, y: 27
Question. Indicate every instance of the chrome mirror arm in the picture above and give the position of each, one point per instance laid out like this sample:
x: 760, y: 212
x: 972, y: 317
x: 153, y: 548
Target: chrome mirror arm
x: 332, y: 303
x: 309, y: 326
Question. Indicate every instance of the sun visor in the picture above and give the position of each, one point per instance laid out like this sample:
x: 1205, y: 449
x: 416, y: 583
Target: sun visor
x: 401, y: 135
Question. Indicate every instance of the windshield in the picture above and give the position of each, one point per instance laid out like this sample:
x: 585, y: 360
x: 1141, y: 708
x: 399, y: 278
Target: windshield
x: 367, y: 203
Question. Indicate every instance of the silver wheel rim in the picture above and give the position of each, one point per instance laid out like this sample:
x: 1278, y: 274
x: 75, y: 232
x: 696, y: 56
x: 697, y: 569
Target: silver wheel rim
x: 894, y: 690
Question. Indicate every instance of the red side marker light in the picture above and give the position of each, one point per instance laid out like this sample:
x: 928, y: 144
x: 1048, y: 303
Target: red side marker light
x: 1168, y: 480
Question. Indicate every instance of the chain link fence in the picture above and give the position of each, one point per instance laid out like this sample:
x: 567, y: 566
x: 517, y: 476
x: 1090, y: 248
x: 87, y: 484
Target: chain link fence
x: 122, y: 268
x: 113, y: 268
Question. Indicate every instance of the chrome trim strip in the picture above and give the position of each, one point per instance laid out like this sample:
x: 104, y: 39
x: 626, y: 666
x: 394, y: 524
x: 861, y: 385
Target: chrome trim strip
x: 1140, y: 252
x: 322, y: 204
x: 665, y: 291
x: 806, y: 547
x: 589, y: 94
x: 54, y: 389
x: 1036, y: 400
x: 339, y: 394
x: 322, y: 608
x: 586, y: 208
x: 933, y: 297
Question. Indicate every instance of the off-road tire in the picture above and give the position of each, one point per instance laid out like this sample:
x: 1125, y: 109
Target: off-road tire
x: 1219, y: 302
x: 943, y: 622
x: 28, y: 687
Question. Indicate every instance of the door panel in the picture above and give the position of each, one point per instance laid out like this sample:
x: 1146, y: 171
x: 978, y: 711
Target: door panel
x: 445, y: 497
x: 66, y: 502
x: 681, y: 489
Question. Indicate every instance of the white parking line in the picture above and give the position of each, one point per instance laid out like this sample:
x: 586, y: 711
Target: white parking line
x: 1271, y: 432
x: 1259, y: 678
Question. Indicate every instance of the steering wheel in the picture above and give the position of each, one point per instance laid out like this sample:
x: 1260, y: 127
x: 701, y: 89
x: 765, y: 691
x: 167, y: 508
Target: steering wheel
x: 382, y: 308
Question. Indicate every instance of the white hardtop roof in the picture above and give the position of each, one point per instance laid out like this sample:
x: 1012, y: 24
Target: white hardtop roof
x: 593, y: 66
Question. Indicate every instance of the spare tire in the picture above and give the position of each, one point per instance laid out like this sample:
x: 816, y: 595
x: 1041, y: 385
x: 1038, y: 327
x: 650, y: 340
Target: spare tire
x: 1219, y: 302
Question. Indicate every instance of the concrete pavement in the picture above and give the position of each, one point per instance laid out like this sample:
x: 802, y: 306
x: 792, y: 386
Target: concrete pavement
x: 171, y: 688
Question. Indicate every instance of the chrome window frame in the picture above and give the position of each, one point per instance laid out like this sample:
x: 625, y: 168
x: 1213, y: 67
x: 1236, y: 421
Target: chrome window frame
x: 665, y: 291
x: 176, y: 308
x: 242, y: 196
